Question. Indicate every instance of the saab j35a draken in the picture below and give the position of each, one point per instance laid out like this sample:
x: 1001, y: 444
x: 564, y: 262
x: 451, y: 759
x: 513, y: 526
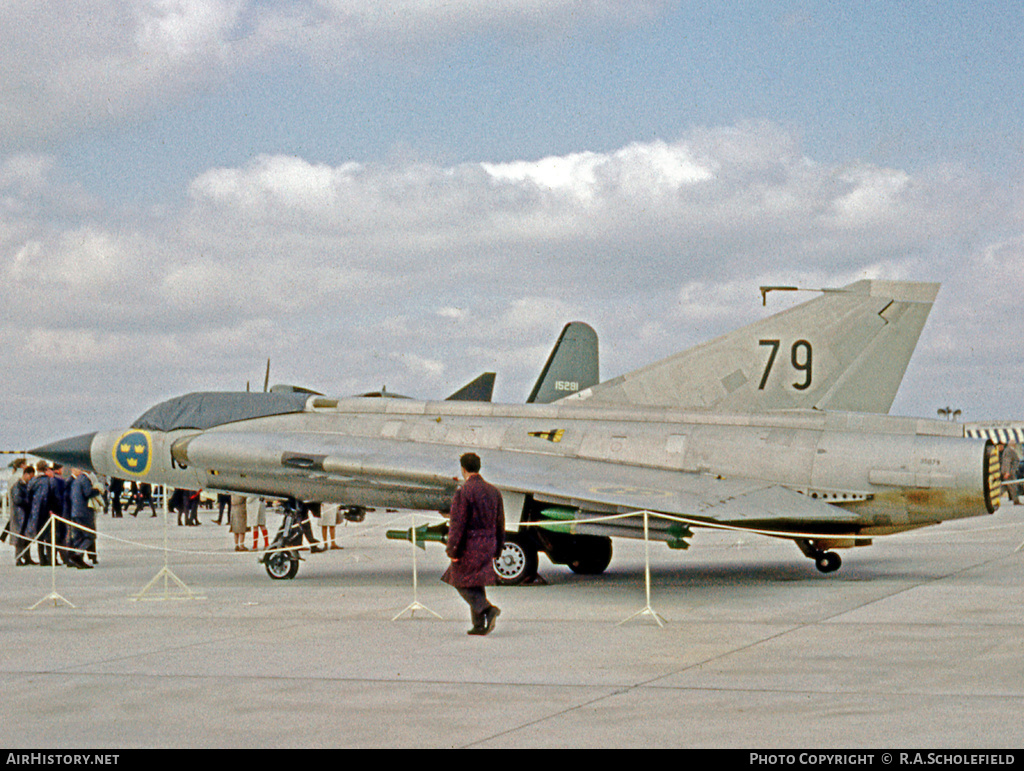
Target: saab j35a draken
x: 778, y: 428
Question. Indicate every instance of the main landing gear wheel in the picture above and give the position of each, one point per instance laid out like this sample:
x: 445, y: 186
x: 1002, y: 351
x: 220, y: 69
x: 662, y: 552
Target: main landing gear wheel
x: 518, y: 560
x: 594, y: 554
x: 281, y: 564
x: 828, y: 562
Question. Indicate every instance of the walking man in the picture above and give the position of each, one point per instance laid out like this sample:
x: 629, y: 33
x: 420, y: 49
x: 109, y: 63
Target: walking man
x: 476, y: 534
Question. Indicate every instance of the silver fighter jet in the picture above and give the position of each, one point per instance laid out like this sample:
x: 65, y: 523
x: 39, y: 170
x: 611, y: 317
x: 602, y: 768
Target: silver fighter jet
x: 777, y: 428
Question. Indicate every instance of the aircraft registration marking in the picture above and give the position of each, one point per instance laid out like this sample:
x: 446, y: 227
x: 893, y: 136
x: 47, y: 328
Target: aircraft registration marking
x: 801, y: 358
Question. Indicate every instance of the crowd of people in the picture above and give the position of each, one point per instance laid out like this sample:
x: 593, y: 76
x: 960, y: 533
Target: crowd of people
x: 38, y: 492
x: 58, y: 514
x: 38, y: 495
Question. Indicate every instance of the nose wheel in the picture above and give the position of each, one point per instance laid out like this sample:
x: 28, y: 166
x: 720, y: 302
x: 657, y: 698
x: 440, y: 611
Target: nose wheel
x: 824, y: 561
x: 281, y: 565
x: 828, y: 562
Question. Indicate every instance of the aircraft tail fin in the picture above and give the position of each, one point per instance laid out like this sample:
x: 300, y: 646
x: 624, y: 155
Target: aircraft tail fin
x: 571, y: 367
x: 845, y: 350
x: 479, y: 390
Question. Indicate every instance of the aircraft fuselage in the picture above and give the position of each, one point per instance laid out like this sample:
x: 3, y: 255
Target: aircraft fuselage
x: 890, y: 474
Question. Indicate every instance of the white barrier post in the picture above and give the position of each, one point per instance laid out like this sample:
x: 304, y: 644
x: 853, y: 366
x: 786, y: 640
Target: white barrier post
x: 166, y: 574
x: 415, y: 604
x: 53, y: 570
x: 647, y: 610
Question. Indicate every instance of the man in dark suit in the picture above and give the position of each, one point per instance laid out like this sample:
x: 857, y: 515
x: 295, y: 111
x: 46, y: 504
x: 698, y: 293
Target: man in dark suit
x: 43, y: 500
x: 476, y: 534
x: 81, y: 539
x: 116, y: 488
x: 21, y: 512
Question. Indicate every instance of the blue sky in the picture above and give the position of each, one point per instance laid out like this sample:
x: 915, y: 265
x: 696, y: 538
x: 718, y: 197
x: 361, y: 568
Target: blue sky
x: 412, y: 192
x: 884, y: 82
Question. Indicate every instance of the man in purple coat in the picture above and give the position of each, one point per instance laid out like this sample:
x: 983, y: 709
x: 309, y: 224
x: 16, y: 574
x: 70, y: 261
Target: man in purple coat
x: 476, y: 534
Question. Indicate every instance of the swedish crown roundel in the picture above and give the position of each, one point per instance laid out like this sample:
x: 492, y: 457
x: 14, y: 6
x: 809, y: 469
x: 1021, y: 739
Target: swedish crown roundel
x: 133, y: 452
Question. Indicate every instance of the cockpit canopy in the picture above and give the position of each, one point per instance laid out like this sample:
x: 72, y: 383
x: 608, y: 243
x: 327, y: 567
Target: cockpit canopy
x: 206, y: 409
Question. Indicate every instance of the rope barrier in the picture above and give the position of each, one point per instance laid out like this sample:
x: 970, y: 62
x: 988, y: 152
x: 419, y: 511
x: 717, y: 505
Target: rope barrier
x: 165, y: 574
x: 169, y: 576
x: 570, y: 523
x: 53, y: 595
x: 415, y: 605
x: 370, y: 531
x: 226, y: 552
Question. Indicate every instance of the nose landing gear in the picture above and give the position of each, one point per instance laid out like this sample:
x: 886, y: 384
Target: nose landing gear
x: 824, y: 561
x: 828, y: 561
x: 281, y: 565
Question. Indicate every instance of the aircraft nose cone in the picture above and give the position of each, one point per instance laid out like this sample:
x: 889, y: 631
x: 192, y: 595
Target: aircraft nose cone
x: 75, y: 452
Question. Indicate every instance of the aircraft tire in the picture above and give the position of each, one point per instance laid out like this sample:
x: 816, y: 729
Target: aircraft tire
x: 281, y: 565
x: 518, y: 560
x: 594, y: 558
x: 828, y: 562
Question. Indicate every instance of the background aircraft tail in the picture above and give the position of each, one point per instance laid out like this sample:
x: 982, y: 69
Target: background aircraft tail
x: 571, y: 367
x: 479, y: 390
x: 845, y: 350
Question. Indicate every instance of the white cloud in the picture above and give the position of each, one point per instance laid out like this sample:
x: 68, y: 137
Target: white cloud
x: 25, y: 173
x: 81, y: 62
x: 639, y: 169
x: 739, y: 198
x: 532, y: 315
x: 455, y: 314
x: 68, y: 64
x: 421, y: 276
x: 177, y: 31
x: 875, y: 195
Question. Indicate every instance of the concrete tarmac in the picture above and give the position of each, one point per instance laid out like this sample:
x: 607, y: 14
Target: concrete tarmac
x: 918, y: 641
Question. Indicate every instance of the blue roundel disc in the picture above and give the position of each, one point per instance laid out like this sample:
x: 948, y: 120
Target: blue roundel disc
x: 133, y: 452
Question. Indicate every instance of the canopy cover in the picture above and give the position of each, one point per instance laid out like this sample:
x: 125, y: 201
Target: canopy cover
x: 203, y: 410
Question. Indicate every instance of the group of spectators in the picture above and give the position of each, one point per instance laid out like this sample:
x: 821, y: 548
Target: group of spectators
x: 38, y: 496
x: 37, y: 493
x: 249, y: 513
x: 139, y: 494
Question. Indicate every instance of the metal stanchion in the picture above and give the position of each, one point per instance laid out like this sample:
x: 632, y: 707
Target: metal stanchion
x: 167, y: 575
x: 647, y: 610
x: 415, y: 604
x: 53, y: 569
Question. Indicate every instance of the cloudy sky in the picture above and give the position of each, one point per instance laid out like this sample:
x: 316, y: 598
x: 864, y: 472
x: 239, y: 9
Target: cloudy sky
x: 408, y: 193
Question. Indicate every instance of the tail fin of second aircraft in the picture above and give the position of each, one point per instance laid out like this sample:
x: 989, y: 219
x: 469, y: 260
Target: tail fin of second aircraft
x: 571, y: 367
x: 845, y: 350
x: 479, y: 390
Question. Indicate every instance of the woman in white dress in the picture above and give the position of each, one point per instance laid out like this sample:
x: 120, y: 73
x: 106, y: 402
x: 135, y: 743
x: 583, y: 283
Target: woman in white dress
x: 236, y: 520
x: 328, y: 521
x: 256, y: 515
